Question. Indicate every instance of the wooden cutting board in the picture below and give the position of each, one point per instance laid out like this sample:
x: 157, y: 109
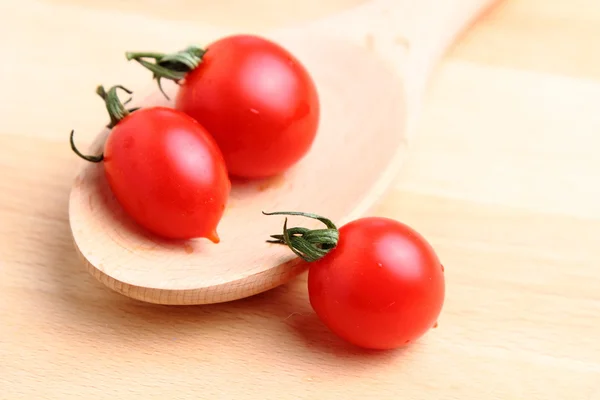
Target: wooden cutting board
x: 501, y: 177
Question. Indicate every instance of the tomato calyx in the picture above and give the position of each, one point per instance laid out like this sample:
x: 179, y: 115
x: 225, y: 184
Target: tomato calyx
x: 116, y: 111
x: 173, y: 66
x: 308, y: 244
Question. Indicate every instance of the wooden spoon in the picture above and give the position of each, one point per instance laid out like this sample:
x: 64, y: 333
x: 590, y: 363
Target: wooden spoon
x: 371, y: 65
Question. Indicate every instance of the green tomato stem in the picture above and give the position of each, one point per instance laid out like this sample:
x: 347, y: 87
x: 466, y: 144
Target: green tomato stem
x: 308, y: 244
x: 93, y: 159
x: 116, y: 111
x: 173, y: 66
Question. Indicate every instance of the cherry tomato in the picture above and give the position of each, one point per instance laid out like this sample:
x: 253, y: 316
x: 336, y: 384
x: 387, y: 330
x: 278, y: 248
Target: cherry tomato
x: 167, y: 173
x: 256, y: 99
x: 381, y: 287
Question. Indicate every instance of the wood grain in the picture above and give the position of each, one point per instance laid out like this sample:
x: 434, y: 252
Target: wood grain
x: 502, y: 178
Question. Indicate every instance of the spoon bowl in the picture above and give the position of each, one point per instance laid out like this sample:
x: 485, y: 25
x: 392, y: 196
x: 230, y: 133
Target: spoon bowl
x: 370, y: 66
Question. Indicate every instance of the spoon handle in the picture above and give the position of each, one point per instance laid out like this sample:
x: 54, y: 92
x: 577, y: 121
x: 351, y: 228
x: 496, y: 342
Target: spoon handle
x: 411, y: 35
x: 419, y: 29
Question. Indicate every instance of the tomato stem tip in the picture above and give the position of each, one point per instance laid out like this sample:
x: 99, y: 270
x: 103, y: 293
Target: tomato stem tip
x: 94, y: 159
x: 308, y: 244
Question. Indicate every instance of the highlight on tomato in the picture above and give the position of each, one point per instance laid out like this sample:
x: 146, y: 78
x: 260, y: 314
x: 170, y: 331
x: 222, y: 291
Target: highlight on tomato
x: 164, y: 169
x: 252, y: 95
x: 375, y: 282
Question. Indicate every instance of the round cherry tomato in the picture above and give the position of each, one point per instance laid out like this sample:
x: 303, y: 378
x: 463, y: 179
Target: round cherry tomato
x: 375, y: 283
x: 381, y: 287
x: 167, y: 173
x: 256, y: 99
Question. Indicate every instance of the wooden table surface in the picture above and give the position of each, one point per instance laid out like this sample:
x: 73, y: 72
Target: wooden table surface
x: 502, y: 178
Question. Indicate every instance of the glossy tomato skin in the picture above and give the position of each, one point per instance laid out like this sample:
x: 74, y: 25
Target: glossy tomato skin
x: 258, y: 102
x: 167, y: 173
x: 381, y: 287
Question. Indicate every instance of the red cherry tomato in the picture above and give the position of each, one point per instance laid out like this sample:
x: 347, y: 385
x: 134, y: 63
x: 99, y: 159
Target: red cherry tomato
x: 381, y: 287
x: 378, y: 284
x: 258, y: 102
x: 165, y: 170
x: 167, y: 173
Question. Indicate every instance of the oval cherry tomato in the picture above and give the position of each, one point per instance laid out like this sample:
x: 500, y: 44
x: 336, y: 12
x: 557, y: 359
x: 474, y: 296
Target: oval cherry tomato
x: 167, y: 173
x: 381, y: 287
x: 256, y: 99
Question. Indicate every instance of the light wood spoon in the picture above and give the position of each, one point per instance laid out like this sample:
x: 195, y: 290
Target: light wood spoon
x: 371, y: 65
